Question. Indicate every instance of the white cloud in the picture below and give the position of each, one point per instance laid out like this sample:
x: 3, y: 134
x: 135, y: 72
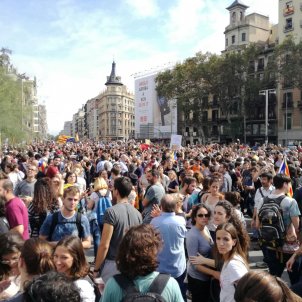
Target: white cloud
x: 143, y: 8
x: 183, y: 20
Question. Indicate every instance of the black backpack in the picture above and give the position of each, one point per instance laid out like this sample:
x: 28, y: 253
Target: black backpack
x: 272, y: 230
x: 133, y: 295
x: 55, y: 222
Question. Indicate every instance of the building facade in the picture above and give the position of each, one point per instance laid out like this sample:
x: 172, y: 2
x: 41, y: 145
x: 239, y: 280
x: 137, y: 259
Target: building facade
x: 92, y: 118
x: 115, y: 110
x: 243, y: 30
x: 290, y: 98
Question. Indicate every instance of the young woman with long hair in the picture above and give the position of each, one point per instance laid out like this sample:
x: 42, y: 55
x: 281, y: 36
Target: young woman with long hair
x: 44, y: 202
x: 69, y: 258
x: 235, y: 260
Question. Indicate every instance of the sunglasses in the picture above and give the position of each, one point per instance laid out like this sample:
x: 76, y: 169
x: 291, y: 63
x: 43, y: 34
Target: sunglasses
x: 203, y: 215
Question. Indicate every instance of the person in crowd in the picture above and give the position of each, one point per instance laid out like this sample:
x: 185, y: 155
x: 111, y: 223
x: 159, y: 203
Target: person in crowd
x: 227, y: 183
x: 188, y: 187
x: 117, y: 220
x: 10, y: 248
x: 153, y: 195
x: 15, y: 209
x: 290, y: 216
x: 14, y: 174
x: 199, y: 241
x: 51, y: 287
x: 172, y: 229
x: 57, y: 183
x: 235, y: 260
x: 69, y: 259
x: 70, y: 180
x: 164, y: 179
x: 262, y: 286
x: 42, y: 204
x: 25, y: 188
x: 173, y: 186
x: 80, y: 182
x: 4, y: 225
x: 235, y: 199
x: 137, y: 261
x: 210, y: 200
x: 67, y: 221
x: 35, y: 260
x: 100, y: 188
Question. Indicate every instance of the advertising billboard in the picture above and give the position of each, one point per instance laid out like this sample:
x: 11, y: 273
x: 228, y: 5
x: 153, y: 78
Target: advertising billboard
x: 155, y: 116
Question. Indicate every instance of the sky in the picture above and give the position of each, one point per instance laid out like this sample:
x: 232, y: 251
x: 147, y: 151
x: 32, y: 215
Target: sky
x: 69, y: 45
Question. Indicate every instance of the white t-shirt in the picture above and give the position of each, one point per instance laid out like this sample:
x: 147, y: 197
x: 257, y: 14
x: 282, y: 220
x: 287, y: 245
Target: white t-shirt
x: 86, y: 290
x: 231, y: 272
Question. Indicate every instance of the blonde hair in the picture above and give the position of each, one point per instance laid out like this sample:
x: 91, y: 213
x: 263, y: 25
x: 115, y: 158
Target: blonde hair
x: 99, y: 184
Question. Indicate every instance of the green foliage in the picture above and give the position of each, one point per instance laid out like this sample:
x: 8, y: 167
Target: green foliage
x: 11, y: 101
x: 289, y: 63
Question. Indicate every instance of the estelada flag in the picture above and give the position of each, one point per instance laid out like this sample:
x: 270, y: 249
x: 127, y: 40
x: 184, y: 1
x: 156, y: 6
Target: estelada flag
x: 284, y: 170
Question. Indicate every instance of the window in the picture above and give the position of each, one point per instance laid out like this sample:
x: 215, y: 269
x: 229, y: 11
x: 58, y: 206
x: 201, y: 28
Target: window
x: 288, y: 24
x: 241, y: 16
x: 233, y: 39
x: 233, y: 17
x: 288, y: 121
x: 226, y: 42
x: 243, y: 37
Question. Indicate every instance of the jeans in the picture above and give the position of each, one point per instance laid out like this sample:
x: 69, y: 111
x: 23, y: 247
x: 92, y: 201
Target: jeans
x: 96, y: 235
x: 276, y: 262
x: 182, y: 285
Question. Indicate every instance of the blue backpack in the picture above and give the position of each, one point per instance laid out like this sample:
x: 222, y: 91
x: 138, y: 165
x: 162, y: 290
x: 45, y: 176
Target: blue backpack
x: 103, y: 204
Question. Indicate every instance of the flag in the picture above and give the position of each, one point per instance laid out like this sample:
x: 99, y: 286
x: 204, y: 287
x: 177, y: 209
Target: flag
x: 284, y: 170
x: 144, y: 147
x: 63, y: 139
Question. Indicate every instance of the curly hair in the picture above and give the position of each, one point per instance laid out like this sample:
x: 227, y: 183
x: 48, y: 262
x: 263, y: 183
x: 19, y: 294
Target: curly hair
x: 73, y: 244
x: 50, y: 287
x: 137, y: 254
x: 43, y: 195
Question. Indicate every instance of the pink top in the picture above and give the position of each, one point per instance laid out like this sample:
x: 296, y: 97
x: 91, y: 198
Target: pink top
x: 16, y: 214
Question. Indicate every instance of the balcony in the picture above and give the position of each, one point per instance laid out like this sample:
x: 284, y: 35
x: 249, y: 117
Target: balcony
x: 288, y: 11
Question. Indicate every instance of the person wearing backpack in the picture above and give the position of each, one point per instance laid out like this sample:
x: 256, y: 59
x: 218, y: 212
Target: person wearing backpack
x: 99, y: 201
x: 137, y: 262
x: 278, y: 224
x: 67, y: 221
x: 117, y: 221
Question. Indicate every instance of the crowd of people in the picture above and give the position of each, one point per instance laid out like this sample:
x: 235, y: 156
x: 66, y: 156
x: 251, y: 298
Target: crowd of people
x: 164, y: 224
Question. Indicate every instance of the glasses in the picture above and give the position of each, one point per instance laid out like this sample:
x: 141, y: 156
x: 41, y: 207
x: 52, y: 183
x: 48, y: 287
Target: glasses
x: 31, y: 169
x: 203, y: 215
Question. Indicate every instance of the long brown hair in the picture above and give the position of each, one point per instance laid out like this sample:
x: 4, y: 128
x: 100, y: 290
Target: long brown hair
x: 261, y: 286
x: 37, y: 255
x: 73, y: 244
x: 43, y: 195
x: 237, y: 248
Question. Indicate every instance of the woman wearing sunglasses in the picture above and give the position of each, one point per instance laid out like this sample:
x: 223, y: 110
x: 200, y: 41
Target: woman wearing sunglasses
x: 199, y: 241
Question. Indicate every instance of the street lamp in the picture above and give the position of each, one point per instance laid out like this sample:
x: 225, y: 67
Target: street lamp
x: 266, y: 92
